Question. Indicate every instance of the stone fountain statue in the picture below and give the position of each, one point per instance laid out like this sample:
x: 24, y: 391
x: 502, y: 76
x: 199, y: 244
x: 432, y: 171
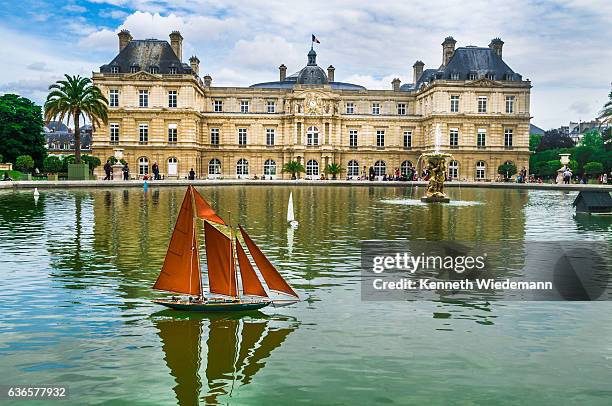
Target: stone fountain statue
x: 436, y: 165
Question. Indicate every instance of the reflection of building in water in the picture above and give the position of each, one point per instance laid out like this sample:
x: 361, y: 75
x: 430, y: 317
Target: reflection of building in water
x: 236, y: 351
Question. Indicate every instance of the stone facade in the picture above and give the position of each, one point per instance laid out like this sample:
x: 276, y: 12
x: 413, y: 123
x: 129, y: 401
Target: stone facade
x: 246, y: 131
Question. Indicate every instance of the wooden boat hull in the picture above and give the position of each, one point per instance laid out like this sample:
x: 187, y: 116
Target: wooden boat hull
x: 213, y: 307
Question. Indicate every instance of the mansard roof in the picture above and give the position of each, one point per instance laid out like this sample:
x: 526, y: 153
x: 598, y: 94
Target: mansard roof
x: 146, y: 54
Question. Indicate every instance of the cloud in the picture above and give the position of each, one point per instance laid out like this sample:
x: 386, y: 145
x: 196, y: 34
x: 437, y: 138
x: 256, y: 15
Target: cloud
x: 74, y: 8
x: 38, y: 66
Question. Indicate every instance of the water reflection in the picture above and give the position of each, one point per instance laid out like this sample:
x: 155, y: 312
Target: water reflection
x: 236, y: 349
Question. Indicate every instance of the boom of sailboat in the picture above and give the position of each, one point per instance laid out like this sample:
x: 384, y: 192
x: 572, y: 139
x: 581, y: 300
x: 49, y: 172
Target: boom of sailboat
x: 227, y: 263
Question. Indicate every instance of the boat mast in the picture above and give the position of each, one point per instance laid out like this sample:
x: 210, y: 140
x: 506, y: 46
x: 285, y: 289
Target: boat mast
x: 232, y: 256
x: 195, y: 243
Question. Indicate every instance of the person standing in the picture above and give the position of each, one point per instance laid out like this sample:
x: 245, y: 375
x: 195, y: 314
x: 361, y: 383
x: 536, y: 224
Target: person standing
x: 191, y: 174
x: 107, y: 170
x: 126, y: 172
x: 155, y: 170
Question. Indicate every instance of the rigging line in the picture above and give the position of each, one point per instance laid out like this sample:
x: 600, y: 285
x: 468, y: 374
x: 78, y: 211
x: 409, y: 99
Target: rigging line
x: 237, y: 353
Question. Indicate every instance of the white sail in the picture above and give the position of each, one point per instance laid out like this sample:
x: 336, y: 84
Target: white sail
x: 290, y: 215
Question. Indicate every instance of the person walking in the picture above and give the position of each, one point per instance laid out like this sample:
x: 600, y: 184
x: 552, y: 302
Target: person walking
x: 155, y: 170
x: 107, y: 170
x: 126, y: 172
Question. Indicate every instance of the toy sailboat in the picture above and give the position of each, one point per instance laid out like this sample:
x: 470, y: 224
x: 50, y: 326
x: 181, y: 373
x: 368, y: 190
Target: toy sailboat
x: 290, y: 216
x: 181, y: 271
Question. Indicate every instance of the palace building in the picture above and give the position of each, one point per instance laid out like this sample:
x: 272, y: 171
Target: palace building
x: 162, y: 111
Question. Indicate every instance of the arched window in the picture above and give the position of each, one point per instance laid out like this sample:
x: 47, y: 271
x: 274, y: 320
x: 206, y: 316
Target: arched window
x: 380, y: 168
x: 406, y: 167
x: 312, y: 135
x: 481, y: 167
x: 269, y: 168
x: 143, y: 165
x: 453, y: 169
x: 312, y: 168
x: 242, y: 167
x: 353, y: 168
x: 172, y: 166
x: 214, y: 167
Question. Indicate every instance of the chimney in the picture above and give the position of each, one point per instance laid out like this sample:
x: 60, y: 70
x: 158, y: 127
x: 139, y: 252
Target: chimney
x: 176, y: 42
x: 283, y: 72
x: 448, y: 49
x: 497, y: 44
x: 124, y: 38
x: 396, y: 84
x: 330, y: 73
x: 418, y: 70
x: 207, y: 80
x: 194, y: 62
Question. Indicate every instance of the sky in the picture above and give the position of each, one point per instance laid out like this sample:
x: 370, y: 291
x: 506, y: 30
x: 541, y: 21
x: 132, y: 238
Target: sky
x: 564, y: 47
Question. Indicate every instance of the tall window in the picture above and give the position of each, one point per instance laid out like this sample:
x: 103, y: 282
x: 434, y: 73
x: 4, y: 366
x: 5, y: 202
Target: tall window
x: 480, y: 169
x: 143, y: 132
x: 380, y: 168
x: 454, y: 76
x: 454, y: 104
x: 154, y: 69
x: 353, y: 168
x: 380, y: 138
x: 244, y: 106
x: 134, y: 69
x: 113, y: 98
x: 375, y: 108
x: 242, y: 167
x: 401, y: 109
x: 509, y: 104
x: 353, y: 138
x: 508, y: 137
x: 218, y: 106
x: 312, y: 136
x: 481, y: 138
x: 172, y: 133
x: 453, y: 169
x: 214, y: 136
x: 473, y: 76
x: 114, y: 133
x: 269, y: 168
x: 143, y: 98
x: 350, y: 108
x: 312, y: 168
x: 490, y: 76
x: 270, y: 135
x: 242, y: 136
x: 143, y: 166
x: 407, y: 139
x: 406, y: 168
x: 271, y: 106
x: 214, y: 167
x: 172, y: 98
x: 482, y: 104
x: 454, y: 137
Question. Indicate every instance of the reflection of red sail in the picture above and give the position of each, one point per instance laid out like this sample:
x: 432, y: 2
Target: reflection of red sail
x: 273, y: 279
x: 203, y: 209
x: 181, y: 270
x: 250, y: 282
x: 221, y: 268
x: 181, y: 345
x: 272, y: 340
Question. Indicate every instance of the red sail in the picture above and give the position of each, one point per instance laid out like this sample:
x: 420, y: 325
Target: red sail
x: 220, y: 258
x: 273, y: 279
x: 203, y: 209
x: 250, y: 282
x: 181, y: 270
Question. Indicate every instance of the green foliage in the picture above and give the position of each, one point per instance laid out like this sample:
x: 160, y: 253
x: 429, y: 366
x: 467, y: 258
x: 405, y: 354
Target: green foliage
x: 508, y: 169
x: 553, y: 139
x: 606, y: 113
x: 534, y: 141
x: 76, y: 97
x: 24, y: 163
x: 572, y: 165
x: 593, y: 168
x: 92, y: 161
x: 21, y: 129
x: 294, y: 168
x: 334, y: 169
x: 112, y: 160
x: 53, y: 164
x: 593, y: 138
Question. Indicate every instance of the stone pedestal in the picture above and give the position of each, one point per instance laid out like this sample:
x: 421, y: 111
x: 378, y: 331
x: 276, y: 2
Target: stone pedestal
x: 434, y: 199
x: 117, y: 172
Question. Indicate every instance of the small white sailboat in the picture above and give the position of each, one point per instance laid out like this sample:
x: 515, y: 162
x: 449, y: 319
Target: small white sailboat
x: 290, y: 216
x: 36, y: 193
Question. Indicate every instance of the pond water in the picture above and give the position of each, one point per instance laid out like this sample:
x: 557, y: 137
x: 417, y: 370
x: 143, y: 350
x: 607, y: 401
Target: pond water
x: 78, y: 267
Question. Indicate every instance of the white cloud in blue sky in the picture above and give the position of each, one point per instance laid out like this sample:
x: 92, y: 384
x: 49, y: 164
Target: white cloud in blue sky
x: 562, y: 46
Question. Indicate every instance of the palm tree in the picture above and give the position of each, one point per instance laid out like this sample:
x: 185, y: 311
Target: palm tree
x: 606, y: 113
x: 333, y: 169
x: 76, y: 97
x: 294, y: 168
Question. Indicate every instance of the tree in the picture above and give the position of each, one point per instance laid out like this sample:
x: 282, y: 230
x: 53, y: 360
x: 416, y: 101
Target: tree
x: 508, y: 169
x: 555, y: 139
x: 76, y: 98
x: 593, y: 168
x: 53, y: 164
x: 21, y: 129
x: 534, y: 141
x: 92, y: 161
x: 593, y: 138
x: 333, y: 169
x: 1, y: 158
x: 294, y: 168
x: 24, y: 163
x: 606, y: 113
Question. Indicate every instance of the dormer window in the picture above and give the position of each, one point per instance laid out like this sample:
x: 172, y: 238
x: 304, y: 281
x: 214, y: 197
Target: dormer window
x: 114, y: 69
x: 454, y: 76
x: 173, y: 70
x: 473, y: 76
x: 490, y: 76
x: 508, y: 76
x: 134, y: 69
x: 154, y: 69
